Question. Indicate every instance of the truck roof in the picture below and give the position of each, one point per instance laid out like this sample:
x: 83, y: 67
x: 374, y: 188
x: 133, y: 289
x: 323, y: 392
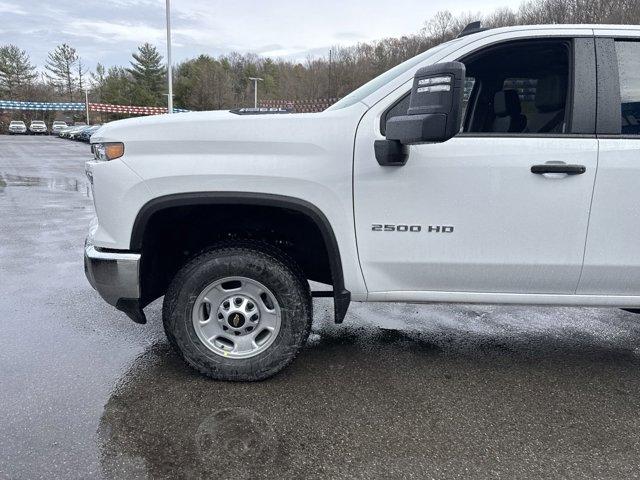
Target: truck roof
x: 579, y: 26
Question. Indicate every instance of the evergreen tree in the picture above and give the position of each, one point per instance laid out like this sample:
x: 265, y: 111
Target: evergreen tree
x: 118, y: 87
x: 16, y: 71
x: 148, y: 73
x: 61, y: 65
x: 203, y: 84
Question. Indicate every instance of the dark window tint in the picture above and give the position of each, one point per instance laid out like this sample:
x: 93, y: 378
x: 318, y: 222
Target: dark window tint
x: 468, y: 90
x: 522, y: 88
x: 526, y: 89
x: 629, y: 68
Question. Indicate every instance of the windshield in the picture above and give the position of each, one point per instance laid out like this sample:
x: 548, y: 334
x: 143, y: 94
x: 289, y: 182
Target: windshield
x: 15, y: 122
x: 370, y: 87
x: 38, y: 122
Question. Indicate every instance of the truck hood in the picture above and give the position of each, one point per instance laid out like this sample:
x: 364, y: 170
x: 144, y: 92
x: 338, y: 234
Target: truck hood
x: 206, y: 126
x: 226, y: 133
x: 132, y: 128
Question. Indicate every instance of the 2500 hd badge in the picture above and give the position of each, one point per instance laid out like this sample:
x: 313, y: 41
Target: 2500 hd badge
x: 380, y: 227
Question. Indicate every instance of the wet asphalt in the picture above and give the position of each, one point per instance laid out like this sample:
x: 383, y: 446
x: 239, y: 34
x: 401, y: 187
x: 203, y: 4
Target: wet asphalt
x: 397, y: 391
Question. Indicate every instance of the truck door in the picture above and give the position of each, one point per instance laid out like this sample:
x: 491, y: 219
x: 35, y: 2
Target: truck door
x: 612, y: 256
x: 468, y: 215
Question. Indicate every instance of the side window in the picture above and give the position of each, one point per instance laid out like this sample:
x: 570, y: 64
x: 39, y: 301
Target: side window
x: 523, y: 88
x: 526, y: 90
x: 629, y: 68
x: 468, y: 90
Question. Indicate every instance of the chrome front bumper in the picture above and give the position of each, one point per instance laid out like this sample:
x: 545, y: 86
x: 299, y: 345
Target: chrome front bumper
x: 116, y: 277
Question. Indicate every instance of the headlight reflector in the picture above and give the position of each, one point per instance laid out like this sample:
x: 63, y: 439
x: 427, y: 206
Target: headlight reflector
x: 108, y: 151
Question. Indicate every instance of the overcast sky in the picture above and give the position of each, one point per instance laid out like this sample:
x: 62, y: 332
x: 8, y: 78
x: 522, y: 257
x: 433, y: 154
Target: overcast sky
x: 107, y: 31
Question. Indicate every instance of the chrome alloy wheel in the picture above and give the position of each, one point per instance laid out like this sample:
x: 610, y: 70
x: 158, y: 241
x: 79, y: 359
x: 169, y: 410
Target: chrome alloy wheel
x: 236, y: 317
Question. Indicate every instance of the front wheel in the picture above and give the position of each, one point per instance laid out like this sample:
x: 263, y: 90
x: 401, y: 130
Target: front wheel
x: 238, y: 313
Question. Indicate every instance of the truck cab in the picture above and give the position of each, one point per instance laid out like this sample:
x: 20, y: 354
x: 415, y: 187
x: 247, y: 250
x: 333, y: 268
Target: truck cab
x: 500, y: 167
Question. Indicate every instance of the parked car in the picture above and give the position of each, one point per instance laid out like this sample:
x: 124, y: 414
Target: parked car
x: 85, y: 134
x: 396, y: 193
x: 73, y: 134
x: 70, y: 131
x: 38, y: 127
x: 64, y: 131
x: 57, y: 126
x: 17, y: 127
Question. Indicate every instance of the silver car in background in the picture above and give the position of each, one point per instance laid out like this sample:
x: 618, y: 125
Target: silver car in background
x: 57, y: 126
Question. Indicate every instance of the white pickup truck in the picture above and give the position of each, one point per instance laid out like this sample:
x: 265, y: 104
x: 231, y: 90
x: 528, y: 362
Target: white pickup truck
x: 500, y: 167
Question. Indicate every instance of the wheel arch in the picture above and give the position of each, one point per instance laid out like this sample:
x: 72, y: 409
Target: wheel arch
x: 341, y: 296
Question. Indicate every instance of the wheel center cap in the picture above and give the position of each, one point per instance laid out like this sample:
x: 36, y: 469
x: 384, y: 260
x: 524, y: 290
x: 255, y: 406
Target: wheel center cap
x: 236, y: 320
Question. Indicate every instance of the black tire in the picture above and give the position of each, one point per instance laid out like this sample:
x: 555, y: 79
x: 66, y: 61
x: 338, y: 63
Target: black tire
x: 260, y: 263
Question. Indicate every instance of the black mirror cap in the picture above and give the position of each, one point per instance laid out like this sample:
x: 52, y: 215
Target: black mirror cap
x: 408, y: 129
x: 437, y: 89
x: 435, y: 106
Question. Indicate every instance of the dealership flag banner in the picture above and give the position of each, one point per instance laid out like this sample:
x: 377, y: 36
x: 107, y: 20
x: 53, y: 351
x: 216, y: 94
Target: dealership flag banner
x: 94, y: 107
x: 109, y: 108
x: 11, y: 105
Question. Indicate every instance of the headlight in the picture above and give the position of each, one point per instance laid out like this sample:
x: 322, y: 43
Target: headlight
x: 108, y: 151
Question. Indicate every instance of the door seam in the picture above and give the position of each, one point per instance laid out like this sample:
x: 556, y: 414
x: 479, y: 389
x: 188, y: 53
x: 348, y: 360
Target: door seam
x: 586, y: 237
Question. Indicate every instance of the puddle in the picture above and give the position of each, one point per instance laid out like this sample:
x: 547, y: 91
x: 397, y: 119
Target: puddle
x: 64, y: 184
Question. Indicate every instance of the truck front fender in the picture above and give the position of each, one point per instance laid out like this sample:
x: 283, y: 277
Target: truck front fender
x: 341, y: 296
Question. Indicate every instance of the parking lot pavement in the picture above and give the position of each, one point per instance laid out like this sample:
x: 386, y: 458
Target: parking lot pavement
x: 398, y: 391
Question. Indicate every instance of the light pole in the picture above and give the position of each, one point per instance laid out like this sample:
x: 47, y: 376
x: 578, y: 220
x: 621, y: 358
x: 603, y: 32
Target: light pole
x: 86, y: 103
x: 169, y: 72
x: 255, y: 90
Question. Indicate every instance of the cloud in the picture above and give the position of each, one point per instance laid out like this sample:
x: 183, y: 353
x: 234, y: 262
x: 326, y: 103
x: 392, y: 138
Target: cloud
x: 283, y: 52
x: 6, y: 7
x: 110, y: 32
x: 349, y: 36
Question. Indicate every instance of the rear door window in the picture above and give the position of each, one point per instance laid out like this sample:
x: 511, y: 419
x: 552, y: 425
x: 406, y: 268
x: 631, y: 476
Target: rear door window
x: 629, y: 69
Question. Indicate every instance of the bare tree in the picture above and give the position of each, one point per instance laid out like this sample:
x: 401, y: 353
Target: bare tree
x: 82, y: 73
x: 440, y: 26
x: 61, y: 65
x: 502, y: 17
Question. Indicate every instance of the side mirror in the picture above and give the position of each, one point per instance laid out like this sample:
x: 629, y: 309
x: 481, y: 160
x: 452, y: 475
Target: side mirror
x: 435, y: 106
